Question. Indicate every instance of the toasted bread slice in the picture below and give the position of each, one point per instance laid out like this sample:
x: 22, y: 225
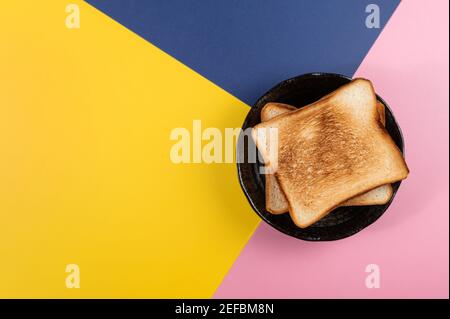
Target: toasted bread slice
x: 377, y: 196
x: 331, y: 151
x: 276, y: 202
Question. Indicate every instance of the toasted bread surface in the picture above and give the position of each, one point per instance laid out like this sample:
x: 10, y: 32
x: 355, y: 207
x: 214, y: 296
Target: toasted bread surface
x: 332, y: 150
x: 276, y: 202
x: 380, y: 195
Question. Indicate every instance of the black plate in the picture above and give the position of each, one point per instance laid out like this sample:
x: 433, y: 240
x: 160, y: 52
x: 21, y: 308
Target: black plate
x: 341, y: 222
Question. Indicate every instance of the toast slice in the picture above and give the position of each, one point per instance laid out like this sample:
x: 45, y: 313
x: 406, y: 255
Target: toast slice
x: 331, y: 151
x: 276, y: 202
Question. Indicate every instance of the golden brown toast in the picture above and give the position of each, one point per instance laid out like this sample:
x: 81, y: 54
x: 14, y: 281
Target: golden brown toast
x: 276, y: 202
x: 332, y: 150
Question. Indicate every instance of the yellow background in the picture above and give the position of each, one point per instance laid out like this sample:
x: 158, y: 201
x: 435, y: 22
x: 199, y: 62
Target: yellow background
x: 85, y: 175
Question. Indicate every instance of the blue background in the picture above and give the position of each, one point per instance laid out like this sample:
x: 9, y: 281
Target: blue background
x: 246, y: 47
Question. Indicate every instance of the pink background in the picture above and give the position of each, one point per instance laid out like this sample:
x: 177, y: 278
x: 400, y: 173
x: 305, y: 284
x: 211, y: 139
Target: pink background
x: 408, y: 65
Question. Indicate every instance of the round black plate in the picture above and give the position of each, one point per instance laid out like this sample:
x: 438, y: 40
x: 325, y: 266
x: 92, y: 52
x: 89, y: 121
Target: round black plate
x: 341, y: 222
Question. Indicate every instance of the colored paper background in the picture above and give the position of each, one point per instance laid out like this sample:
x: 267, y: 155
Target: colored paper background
x: 85, y: 174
